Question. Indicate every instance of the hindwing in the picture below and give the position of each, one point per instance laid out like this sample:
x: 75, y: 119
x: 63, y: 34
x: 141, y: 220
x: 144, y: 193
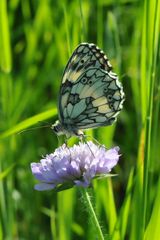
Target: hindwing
x: 93, y: 100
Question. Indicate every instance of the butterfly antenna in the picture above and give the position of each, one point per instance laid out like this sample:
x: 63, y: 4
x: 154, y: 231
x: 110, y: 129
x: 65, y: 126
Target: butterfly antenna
x: 45, y: 122
x: 95, y: 140
x: 30, y: 129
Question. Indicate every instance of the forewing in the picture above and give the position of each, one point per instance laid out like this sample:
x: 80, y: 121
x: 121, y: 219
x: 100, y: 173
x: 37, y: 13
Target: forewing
x: 93, y: 100
x: 85, y: 56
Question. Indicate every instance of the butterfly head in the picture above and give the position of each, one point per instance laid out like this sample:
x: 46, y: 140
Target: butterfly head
x: 57, y: 128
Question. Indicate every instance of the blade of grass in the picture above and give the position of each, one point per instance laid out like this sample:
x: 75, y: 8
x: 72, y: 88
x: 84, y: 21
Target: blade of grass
x: 123, y: 218
x: 6, y: 171
x: 153, y: 229
x: 151, y: 14
x: 5, y: 59
x: 65, y: 213
x: 67, y: 28
x: 83, y: 34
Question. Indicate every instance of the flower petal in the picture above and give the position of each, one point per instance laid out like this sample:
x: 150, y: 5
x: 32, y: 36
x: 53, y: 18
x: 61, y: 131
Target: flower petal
x: 76, y: 165
x: 44, y: 186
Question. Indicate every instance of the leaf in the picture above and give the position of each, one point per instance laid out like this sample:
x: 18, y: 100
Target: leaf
x: 7, y: 171
x: 29, y: 122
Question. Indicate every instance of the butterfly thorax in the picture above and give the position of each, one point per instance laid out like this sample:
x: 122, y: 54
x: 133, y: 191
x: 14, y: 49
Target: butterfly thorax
x: 61, y: 129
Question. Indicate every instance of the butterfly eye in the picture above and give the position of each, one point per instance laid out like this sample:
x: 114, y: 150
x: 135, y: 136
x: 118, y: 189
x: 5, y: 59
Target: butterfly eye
x: 55, y: 129
x: 84, y: 80
x: 82, y: 61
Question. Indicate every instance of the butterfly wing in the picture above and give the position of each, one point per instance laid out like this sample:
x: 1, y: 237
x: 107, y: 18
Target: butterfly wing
x: 85, y: 56
x: 95, y: 99
x: 90, y: 94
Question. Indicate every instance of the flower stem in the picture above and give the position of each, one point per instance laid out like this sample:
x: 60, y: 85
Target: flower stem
x: 92, y: 213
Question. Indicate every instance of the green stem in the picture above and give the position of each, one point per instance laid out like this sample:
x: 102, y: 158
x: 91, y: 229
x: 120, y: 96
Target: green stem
x: 92, y: 213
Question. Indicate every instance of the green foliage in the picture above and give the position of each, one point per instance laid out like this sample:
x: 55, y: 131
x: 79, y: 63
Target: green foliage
x: 36, y: 40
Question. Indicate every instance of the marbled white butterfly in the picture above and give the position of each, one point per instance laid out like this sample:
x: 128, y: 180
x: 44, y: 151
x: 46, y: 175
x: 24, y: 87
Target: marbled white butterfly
x: 90, y: 94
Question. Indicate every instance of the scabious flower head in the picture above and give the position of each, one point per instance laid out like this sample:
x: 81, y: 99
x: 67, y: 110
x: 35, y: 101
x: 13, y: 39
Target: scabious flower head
x: 76, y: 165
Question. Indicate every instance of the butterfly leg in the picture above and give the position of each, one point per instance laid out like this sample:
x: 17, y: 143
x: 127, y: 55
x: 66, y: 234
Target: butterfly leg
x: 96, y: 141
x: 66, y: 140
x: 83, y: 138
x: 67, y: 146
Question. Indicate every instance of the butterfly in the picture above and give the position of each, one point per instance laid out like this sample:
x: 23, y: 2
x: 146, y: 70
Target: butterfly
x: 90, y: 95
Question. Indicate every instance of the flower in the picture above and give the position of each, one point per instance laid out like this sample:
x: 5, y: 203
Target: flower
x: 76, y: 165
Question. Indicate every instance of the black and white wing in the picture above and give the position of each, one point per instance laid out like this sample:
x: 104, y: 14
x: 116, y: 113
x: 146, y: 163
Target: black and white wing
x: 90, y: 94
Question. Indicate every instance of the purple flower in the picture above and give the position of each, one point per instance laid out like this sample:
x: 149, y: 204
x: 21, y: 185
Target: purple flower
x: 76, y: 165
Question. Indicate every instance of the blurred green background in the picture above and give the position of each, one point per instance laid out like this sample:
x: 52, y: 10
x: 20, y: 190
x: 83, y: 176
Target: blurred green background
x: 36, y: 40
